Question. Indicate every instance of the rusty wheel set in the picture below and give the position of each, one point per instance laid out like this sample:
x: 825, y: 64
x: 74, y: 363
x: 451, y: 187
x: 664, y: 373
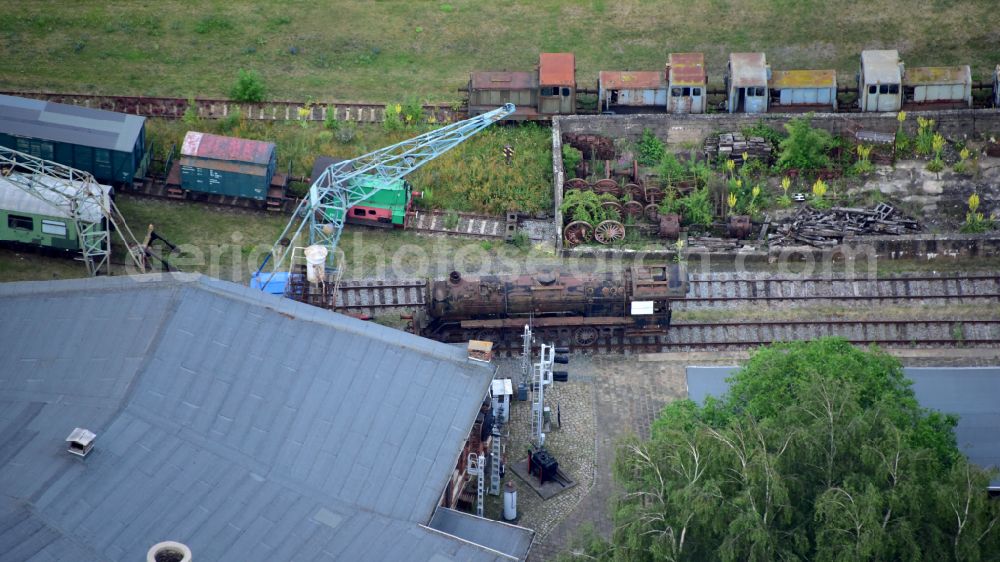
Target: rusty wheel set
x: 642, y: 205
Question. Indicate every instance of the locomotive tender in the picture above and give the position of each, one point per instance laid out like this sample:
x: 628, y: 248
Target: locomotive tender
x: 570, y: 308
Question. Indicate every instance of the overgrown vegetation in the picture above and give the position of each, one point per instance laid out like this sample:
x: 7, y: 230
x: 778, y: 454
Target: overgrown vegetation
x: 975, y: 222
x: 819, y: 451
x: 249, y: 87
x: 805, y: 147
x: 587, y: 206
x: 571, y: 159
x: 650, y: 149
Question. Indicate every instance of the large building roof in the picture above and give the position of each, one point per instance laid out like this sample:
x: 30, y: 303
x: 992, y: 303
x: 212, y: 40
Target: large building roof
x: 970, y: 393
x: 69, y: 123
x: 247, y: 426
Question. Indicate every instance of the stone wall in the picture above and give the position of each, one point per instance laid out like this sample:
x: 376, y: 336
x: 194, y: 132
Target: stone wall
x: 692, y: 129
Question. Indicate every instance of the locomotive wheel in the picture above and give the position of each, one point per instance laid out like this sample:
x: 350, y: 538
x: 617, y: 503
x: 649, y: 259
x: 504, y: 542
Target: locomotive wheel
x: 607, y: 186
x: 633, y: 209
x: 577, y: 183
x: 585, y: 336
x: 488, y: 334
x: 637, y: 192
x: 613, y: 206
x: 654, y: 195
x: 652, y: 212
x: 609, y: 231
x: 578, y: 232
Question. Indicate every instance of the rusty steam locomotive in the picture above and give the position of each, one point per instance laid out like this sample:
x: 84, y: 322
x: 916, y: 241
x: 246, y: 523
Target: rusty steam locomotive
x: 573, y: 309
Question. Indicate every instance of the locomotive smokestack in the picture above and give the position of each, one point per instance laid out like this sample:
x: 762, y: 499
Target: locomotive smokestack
x: 455, y: 277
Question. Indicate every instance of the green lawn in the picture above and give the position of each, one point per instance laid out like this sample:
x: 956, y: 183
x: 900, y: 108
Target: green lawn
x: 389, y: 50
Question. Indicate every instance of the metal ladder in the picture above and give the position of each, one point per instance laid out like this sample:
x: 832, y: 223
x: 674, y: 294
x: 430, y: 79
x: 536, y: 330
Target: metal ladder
x: 475, y: 468
x: 495, y: 461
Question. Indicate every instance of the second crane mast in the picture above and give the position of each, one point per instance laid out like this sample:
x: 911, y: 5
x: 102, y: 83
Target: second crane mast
x: 348, y: 183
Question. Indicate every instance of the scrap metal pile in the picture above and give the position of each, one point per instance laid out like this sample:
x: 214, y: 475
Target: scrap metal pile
x: 734, y: 145
x: 829, y: 228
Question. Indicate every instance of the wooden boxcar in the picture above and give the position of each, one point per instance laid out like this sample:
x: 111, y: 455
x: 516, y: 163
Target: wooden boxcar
x: 109, y: 145
x: 26, y: 219
x: 227, y: 166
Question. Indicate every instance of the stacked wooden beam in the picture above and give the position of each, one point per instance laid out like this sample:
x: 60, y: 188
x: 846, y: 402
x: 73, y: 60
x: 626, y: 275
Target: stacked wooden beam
x: 829, y: 228
x: 734, y: 145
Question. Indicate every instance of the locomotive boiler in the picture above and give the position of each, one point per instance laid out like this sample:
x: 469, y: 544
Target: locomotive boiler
x: 576, y: 309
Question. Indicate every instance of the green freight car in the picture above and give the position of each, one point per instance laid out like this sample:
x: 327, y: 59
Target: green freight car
x: 227, y: 166
x: 109, y: 145
x: 389, y: 204
x: 26, y: 219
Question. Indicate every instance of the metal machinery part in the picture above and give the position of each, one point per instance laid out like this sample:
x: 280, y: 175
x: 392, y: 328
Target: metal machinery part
x: 670, y: 226
x: 739, y: 227
x: 350, y: 182
x: 82, y: 198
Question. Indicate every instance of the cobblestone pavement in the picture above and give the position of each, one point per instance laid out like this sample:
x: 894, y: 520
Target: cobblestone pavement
x: 607, y: 398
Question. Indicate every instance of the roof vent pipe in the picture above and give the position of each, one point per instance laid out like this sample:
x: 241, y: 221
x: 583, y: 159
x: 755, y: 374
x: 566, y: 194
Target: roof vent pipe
x: 169, y: 551
x: 81, y: 441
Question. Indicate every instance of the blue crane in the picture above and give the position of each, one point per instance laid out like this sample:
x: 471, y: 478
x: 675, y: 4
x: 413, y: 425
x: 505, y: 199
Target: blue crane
x: 348, y: 183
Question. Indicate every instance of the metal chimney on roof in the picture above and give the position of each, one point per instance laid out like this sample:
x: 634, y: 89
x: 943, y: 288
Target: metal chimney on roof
x: 169, y: 551
x: 81, y: 441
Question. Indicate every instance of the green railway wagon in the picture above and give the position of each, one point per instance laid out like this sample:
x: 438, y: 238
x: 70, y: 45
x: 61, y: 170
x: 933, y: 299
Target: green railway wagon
x: 26, y: 219
x: 109, y: 145
x: 227, y: 166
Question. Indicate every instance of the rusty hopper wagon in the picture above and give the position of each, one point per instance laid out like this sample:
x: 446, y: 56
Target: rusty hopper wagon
x: 573, y: 309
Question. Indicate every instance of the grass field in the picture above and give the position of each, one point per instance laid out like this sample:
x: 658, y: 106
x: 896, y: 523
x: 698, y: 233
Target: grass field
x: 472, y: 177
x: 388, y: 50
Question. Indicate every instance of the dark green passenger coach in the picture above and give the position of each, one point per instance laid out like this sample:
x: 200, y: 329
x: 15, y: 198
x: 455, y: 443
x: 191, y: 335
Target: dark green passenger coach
x: 109, y: 145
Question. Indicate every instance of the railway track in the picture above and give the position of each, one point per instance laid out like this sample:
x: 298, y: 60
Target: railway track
x: 367, y: 297
x: 720, y: 291
x: 462, y: 224
x: 174, y: 108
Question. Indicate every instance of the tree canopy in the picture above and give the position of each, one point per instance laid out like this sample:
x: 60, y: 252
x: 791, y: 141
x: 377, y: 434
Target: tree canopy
x: 819, y: 451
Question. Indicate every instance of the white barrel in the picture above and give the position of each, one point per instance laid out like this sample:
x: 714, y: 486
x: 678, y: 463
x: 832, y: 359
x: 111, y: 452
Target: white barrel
x: 168, y: 551
x: 509, y: 502
x: 315, y: 262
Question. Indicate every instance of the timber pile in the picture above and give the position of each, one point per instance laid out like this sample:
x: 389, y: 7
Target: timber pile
x: 829, y: 228
x: 733, y: 145
x: 712, y: 244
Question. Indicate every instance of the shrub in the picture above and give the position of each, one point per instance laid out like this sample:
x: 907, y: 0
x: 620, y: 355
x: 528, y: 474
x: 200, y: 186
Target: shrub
x: 670, y: 169
x: 587, y: 206
x: 249, y: 87
x: 390, y: 119
x: 806, y: 147
x: 345, y: 132
x: 330, y: 120
x: 571, y: 158
x: 760, y: 129
x: 191, y: 116
x: 925, y: 136
x: 650, y: 148
x: 698, y: 208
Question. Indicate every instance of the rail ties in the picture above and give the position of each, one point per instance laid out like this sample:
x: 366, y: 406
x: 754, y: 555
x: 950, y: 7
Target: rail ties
x: 378, y: 296
x: 459, y: 224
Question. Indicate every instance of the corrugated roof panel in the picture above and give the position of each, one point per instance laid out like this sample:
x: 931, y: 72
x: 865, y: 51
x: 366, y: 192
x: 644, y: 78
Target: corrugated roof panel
x: 803, y: 79
x: 504, y: 80
x: 232, y: 149
x: 69, y: 124
x: 748, y: 69
x: 556, y: 69
x: 881, y: 66
x: 632, y: 80
x: 687, y: 69
x: 935, y: 75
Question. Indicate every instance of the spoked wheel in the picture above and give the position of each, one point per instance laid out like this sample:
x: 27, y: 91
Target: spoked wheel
x: 654, y: 195
x: 608, y: 186
x: 613, y: 206
x: 633, y: 209
x: 488, y: 334
x: 609, y: 231
x: 636, y: 191
x: 578, y: 232
x: 577, y: 183
x: 652, y: 212
x: 585, y: 336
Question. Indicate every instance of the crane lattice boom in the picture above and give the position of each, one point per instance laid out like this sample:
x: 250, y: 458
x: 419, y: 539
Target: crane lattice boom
x: 336, y: 190
x: 80, y: 197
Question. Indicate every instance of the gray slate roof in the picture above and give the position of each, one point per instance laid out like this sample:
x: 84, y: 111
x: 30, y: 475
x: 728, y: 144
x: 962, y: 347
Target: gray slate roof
x: 968, y: 392
x: 69, y: 123
x: 248, y: 426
